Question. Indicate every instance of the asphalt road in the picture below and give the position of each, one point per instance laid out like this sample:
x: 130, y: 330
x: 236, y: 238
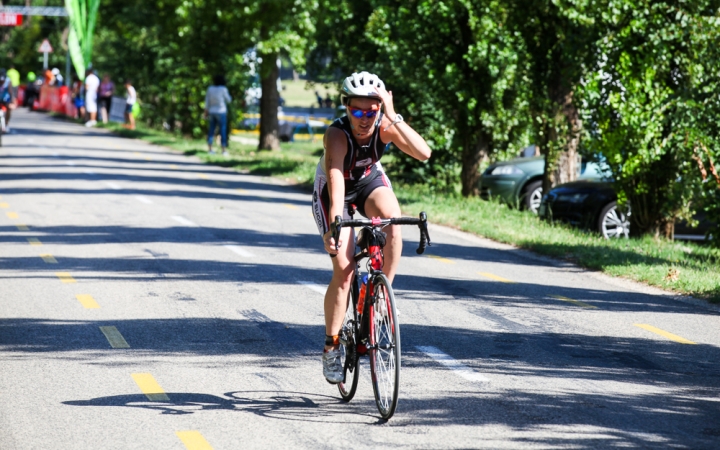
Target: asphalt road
x: 148, y: 301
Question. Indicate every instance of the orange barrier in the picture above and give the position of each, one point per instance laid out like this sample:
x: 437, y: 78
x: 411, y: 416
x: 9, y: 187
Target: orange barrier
x: 57, y: 99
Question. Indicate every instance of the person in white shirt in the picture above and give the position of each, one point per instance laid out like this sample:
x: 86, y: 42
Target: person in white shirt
x: 130, y: 100
x: 216, y: 100
x: 92, y: 83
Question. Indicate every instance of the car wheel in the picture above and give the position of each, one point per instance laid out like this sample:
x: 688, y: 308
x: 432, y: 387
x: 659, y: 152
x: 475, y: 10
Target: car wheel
x: 613, y: 223
x: 532, y: 196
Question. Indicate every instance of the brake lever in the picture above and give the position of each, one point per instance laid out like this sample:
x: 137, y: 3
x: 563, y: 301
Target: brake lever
x: 335, y: 228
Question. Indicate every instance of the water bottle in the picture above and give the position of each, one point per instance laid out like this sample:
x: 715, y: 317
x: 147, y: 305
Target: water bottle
x: 361, y: 299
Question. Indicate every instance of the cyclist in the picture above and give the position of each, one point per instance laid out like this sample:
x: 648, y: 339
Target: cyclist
x: 6, y: 97
x: 350, y: 172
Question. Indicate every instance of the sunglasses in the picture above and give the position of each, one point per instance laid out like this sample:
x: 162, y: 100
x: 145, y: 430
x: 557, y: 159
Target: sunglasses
x: 360, y: 113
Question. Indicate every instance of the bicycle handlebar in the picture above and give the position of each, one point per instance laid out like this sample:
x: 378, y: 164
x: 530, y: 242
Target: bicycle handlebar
x: 421, y: 222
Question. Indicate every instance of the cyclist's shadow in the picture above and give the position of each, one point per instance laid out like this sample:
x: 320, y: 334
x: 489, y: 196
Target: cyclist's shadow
x: 279, y: 405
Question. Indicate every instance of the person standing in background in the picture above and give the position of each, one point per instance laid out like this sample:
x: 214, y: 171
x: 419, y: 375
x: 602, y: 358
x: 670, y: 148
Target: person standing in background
x: 216, y: 100
x: 107, y: 87
x: 14, y: 76
x: 92, y: 83
x: 78, y: 93
x: 130, y: 100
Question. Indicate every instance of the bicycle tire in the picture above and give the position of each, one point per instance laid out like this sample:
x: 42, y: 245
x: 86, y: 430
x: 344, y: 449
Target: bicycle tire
x: 348, y: 347
x: 384, y: 347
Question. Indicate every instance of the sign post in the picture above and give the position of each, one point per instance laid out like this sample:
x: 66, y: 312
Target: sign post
x: 45, y: 48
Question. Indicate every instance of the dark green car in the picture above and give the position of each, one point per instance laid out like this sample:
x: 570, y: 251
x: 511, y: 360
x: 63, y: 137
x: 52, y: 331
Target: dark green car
x: 518, y: 182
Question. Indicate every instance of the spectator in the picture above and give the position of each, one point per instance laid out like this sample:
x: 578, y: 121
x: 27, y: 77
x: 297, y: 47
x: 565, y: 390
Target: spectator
x: 328, y: 101
x: 319, y: 99
x: 31, y: 90
x: 78, y: 93
x: 105, y: 94
x: 130, y: 100
x: 216, y: 100
x: 14, y: 76
x: 92, y: 82
x: 6, y: 98
x: 58, y: 78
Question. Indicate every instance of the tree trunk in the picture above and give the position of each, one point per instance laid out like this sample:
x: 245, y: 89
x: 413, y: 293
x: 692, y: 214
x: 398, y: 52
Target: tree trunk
x: 562, y: 161
x: 475, y: 151
x: 269, y: 128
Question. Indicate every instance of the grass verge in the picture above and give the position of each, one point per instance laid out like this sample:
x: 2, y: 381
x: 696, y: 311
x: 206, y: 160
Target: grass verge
x: 685, y: 268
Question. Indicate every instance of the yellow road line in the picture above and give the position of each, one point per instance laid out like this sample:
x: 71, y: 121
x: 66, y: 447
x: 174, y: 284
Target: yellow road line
x: 22, y: 227
x: 114, y: 337
x: 173, y: 166
x: 87, y: 301
x: 663, y: 333
x: 147, y: 158
x: 65, y: 277
x: 150, y: 387
x: 34, y: 241
x: 441, y: 259
x: 575, y: 302
x: 287, y: 205
x: 495, y: 277
x: 193, y: 440
x: 241, y: 190
x: 4, y: 205
x: 202, y: 175
x: 48, y: 258
x: 12, y: 215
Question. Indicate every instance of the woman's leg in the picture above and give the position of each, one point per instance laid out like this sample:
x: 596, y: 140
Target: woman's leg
x: 223, y: 131
x: 211, y: 132
x: 382, y: 203
x: 337, y: 292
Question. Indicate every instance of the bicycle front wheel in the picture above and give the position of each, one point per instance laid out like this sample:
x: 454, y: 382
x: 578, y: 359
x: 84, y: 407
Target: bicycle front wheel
x: 348, y: 349
x: 384, y: 347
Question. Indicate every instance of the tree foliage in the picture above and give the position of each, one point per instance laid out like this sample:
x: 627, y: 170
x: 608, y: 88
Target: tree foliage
x: 652, y: 104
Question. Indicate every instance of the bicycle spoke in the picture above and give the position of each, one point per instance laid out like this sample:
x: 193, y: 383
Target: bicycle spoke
x: 385, y: 355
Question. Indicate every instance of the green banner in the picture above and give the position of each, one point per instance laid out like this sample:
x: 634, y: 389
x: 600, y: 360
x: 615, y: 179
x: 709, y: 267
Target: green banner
x: 83, y: 15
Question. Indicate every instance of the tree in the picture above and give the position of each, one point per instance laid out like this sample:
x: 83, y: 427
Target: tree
x: 559, y: 38
x: 449, y: 65
x: 652, y: 101
x: 276, y: 27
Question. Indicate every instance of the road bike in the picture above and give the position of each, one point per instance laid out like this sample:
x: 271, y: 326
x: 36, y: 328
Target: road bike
x: 371, y: 325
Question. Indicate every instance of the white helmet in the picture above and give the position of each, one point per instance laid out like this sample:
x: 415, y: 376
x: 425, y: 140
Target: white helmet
x: 360, y: 85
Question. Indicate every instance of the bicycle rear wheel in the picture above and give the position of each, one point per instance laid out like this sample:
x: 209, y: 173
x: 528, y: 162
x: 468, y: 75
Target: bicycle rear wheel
x: 348, y: 349
x: 384, y: 347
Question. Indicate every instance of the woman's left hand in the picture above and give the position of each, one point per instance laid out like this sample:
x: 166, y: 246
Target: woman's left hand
x: 387, y: 99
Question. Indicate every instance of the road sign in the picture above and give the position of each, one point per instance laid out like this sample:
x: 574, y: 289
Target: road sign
x: 45, y: 47
x: 10, y: 20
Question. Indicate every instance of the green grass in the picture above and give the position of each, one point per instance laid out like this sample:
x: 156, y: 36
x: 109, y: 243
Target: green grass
x: 685, y: 268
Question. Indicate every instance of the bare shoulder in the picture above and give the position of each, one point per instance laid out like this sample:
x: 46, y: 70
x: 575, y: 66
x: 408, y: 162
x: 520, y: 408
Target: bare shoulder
x: 335, y: 140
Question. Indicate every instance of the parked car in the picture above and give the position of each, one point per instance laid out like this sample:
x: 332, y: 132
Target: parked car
x: 519, y: 181
x: 593, y: 205
x: 586, y: 204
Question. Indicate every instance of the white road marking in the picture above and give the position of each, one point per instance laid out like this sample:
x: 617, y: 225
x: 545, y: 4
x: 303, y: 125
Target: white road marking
x: 143, y: 199
x: 314, y: 287
x: 30, y: 140
x: 112, y: 185
x: 69, y: 163
x: 184, y: 221
x: 453, y: 364
x: 89, y: 172
x: 239, y: 250
x: 56, y: 154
